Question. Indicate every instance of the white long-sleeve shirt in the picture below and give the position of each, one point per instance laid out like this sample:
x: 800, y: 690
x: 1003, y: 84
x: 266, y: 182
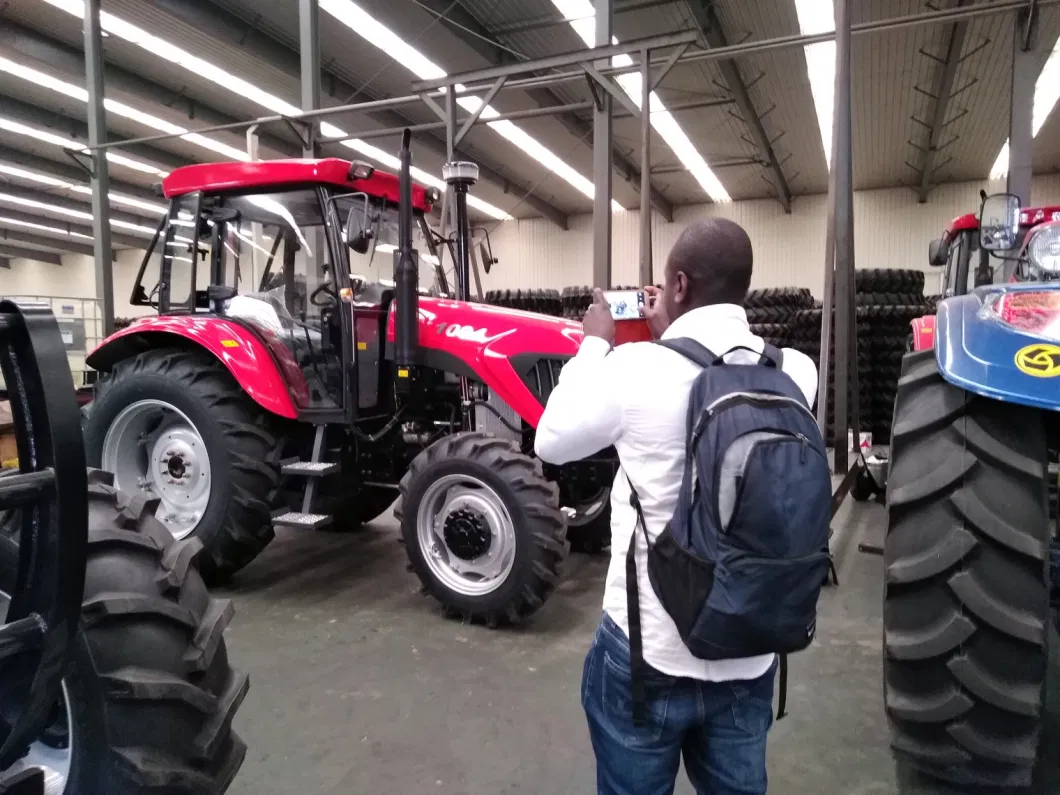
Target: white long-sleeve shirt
x: 636, y: 398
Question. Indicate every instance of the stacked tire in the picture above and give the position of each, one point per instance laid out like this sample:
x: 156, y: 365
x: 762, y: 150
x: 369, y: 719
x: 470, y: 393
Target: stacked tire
x: 771, y: 312
x: 543, y: 302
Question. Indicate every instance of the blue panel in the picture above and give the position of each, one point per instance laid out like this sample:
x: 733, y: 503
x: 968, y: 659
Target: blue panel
x: 977, y: 352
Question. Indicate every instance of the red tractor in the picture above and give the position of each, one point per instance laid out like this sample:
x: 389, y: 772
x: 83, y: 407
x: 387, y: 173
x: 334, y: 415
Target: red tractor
x: 968, y: 265
x: 283, y: 382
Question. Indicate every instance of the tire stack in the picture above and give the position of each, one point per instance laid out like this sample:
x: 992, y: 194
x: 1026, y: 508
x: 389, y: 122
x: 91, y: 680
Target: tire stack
x: 544, y: 302
x: 888, y: 300
x: 574, y: 301
x: 771, y: 311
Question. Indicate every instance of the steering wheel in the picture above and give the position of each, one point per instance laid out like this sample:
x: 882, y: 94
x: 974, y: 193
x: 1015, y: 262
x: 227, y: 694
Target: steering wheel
x: 328, y: 290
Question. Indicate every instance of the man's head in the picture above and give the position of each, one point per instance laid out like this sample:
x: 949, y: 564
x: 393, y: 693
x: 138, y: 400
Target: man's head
x: 709, y: 264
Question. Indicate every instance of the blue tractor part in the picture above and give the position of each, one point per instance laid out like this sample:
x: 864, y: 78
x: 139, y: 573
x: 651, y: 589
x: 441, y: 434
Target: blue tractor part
x: 970, y: 554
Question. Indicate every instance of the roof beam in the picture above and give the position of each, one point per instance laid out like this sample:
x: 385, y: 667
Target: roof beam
x: 280, y: 49
x: 464, y: 25
x: 61, y: 124
x: 70, y: 63
x: 66, y: 203
x: 18, y: 252
x: 59, y: 244
x: 942, y: 89
x: 554, y: 20
x: 714, y: 37
x: 28, y: 218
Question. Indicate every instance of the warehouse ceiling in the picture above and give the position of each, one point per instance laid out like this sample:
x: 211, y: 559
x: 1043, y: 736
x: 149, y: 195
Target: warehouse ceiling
x: 929, y: 102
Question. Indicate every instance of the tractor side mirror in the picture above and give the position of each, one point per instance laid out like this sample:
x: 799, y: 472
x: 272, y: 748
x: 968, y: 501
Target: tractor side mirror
x: 999, y: 222
x: 938, y: 252
x: 486, y: 256
x: 362, y: 239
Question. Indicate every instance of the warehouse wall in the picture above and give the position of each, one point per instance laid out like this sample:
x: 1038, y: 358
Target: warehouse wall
x: 891, y: 230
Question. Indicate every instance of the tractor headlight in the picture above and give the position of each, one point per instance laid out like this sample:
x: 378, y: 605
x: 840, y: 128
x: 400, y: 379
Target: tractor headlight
x: 1042, y: 249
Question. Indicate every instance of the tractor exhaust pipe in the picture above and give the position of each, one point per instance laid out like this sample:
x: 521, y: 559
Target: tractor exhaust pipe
x: 406, y: 273
x: 460, y: 176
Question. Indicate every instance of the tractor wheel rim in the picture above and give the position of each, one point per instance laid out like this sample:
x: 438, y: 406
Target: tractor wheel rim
x: 53, y: 761
x: 466, y: 535
x: 589, y: 509
x: 154, y: 449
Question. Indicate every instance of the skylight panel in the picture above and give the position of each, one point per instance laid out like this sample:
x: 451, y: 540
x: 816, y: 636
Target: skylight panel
x: 19, y: 128
x: 55, y: 182
x: 1046, y: 93
x: 818, y: 16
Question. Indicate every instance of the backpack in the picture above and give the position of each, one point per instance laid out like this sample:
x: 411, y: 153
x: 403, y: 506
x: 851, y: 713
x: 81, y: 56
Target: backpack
x: 742, y: 562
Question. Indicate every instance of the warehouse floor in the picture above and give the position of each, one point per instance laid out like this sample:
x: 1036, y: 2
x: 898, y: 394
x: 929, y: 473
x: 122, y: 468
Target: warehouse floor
x: 358, y: 685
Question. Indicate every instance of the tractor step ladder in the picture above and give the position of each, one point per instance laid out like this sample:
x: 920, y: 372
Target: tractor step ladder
x: 312, y: 471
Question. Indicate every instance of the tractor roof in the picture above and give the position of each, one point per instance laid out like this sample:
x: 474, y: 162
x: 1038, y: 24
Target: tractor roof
x: 1029, y: 216
x: 220, y: 177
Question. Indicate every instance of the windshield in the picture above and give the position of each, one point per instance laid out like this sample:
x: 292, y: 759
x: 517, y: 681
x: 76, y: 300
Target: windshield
x: 376, y: 263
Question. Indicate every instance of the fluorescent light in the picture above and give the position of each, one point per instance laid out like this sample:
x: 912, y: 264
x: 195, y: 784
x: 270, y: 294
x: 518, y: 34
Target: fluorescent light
x: 379, y: 35
x: 1046, y: 93
x: 53, y: 229
x: 19, y: 128
x: 84, y: 190
x: 208, y: 71
x: 8, y: 198
x: 818, y: 16
x: 118, y: 108
x: 580, y: 14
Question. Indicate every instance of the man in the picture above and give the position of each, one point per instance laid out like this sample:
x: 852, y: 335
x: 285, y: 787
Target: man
x: 714, y: 714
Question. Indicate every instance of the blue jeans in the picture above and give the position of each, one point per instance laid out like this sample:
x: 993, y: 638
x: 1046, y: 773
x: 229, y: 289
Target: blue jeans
x: 718, y: 727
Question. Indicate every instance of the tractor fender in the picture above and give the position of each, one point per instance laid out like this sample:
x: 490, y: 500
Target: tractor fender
x: 240, y: 350
x: 923, y: 329
x: 979, y: 353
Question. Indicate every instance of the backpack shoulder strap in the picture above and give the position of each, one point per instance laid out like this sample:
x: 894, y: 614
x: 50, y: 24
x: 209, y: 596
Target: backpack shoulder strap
x: 691, y: 350
x: 770, y: 355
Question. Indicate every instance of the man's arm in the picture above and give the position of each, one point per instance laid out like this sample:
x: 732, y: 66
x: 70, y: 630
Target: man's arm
x: 583, y: 415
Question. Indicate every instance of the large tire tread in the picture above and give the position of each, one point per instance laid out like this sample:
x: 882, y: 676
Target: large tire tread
x: 966, y: 603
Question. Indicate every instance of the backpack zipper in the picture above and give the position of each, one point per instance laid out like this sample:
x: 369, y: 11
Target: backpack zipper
x: 751, y: 397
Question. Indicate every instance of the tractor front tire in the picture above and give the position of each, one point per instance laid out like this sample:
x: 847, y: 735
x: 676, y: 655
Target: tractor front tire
x: 966, y: 605
x: 242, y: 445
x: 150, y: 693
x: 511, y: 485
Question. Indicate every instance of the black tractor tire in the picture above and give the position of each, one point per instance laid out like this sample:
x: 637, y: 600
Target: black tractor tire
x: 150, y: 689
x: 533, y: 504
x: 966, y: 605
x: 240, y: 438
x: 592, y: 536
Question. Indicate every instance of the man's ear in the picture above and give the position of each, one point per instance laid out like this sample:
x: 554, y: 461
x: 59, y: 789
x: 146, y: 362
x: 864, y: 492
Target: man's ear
x: 680, y: 287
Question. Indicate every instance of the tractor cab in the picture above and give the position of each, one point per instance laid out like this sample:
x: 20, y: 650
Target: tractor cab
x: 279, y: 247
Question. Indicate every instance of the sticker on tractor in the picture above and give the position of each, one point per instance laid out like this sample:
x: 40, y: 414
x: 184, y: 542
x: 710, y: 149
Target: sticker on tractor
x: 1040, y: 360
x: 229, y: 344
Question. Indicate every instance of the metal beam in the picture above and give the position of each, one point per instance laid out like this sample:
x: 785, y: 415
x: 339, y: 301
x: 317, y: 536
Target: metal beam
x: 1021, y: 108
x: 603, y: 146
x: 68, y: 61
x: 646, y: 275
x: 80, y: 205
x: 102, y: 248
x: 28, y: 218
x: 713, y: 36
x: 282, y: 53
x: 942, y: 89
x: 17, y: 252
x: 463, y: 24
x: 309, y: 48
x: 61, y: 124
x: 57, y: 243
x: 553, y: 20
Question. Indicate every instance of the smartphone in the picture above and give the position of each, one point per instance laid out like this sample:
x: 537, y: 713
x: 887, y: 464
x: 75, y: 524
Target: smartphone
x: 625, y: 304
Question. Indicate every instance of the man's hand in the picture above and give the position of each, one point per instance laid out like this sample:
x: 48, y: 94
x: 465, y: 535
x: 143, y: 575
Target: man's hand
x: 598, y: 321
x: 654, y: 311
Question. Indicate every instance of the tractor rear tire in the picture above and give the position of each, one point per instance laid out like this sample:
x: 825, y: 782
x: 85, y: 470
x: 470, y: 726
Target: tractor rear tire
x: 239, y: 436
x: 593, y: 535
x: 508, y: 479
x: 150, y: 691
x: 966, y: 605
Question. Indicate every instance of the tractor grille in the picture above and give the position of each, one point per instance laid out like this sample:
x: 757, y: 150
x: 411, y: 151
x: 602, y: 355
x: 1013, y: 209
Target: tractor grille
x: 543, y: 376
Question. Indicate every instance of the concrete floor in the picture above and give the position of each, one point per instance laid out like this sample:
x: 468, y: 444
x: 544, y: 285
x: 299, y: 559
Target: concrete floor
x: 358, y: 685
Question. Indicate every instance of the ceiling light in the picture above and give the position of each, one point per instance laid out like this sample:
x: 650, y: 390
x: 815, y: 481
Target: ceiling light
x: 41, y: 227
x: 69, y: 143
x: 1046, y: 93
x: 208, y: 71
x: 8, y: 198
x: 580, y: 12
x: 379, y: 35
x: 818, y: 16
x: 118, y: 108
x: 84, y: 190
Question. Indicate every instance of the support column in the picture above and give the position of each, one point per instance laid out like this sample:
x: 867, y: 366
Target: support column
x: 602, y: 134
x: 1021, y: 106
x: 646, y: 276
x: 309, y: 46
x: 100, y: 181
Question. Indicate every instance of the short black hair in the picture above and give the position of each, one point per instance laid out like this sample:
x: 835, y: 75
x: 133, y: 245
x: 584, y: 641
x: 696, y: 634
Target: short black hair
x: 716, y: 257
